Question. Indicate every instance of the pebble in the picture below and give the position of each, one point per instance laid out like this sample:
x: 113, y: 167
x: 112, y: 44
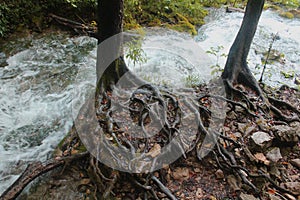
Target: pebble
x: 274, y: 155
x: 219, y: 174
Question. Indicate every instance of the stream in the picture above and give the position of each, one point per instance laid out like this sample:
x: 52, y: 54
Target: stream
x: 40, y: 82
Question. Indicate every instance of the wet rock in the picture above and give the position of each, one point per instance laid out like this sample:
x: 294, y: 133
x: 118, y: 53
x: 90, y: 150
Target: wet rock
x: 262, y: 139
x: 288, y: 15
x: 286, y: 133
x: 296, y: 162
x: 244, y: 196
x: 297, y: 80
x: 3, y: 58
x: 274, y: 155
x: 295, y: 12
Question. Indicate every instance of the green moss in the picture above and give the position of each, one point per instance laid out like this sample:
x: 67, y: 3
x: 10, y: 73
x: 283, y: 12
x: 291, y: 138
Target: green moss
x: 184, y: 25
x: 179, y: 15
x: 288, y: 15
x: 273, y: 7
x: 155, y: 22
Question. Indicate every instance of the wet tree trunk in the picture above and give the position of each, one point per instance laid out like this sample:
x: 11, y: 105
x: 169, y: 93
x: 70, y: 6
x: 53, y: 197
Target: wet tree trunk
x: 236, y: 68
x: 110, y: 62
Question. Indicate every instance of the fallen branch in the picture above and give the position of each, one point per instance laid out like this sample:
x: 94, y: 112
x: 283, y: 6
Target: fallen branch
x: 89, y: 30
x: 232, y: 9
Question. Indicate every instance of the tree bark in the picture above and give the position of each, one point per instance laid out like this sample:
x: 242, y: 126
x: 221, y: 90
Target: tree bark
x: 236, y: 68
x: 110, y: 63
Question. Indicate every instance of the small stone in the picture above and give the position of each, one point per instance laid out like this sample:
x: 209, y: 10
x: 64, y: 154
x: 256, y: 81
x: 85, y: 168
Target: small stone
x: 219, y: 174
x: 274, y: 155
x: 296, y: 162
x: 297, y: 80
x: 262, y: 139
x: 244, y: 196
x: 3, y: 62
x: 197, y: 170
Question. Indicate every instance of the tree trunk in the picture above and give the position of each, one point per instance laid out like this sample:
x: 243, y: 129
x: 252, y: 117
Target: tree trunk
x: 110, y: 62
x: 236, y: 68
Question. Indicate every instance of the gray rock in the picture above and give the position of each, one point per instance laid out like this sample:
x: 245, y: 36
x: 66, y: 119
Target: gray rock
x: 274, y: 155
x: 3, y: 62
x: 297, y: 80
x: 262, y: 139
x: 296, y: 162
x: 286, y: 133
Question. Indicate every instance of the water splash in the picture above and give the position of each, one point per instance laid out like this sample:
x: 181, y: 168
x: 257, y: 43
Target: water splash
x: 36, y: 92
x: 222, y: 28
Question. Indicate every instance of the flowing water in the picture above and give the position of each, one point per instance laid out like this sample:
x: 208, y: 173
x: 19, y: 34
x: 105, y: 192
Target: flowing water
x: 222, y: 28
x: 39, y: 84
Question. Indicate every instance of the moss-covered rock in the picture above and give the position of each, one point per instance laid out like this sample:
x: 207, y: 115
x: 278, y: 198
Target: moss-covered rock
x: 287, y: 14
x: 295, y: 12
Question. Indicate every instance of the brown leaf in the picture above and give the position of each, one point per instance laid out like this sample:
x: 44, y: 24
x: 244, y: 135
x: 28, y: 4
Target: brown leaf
x: 154, y: 151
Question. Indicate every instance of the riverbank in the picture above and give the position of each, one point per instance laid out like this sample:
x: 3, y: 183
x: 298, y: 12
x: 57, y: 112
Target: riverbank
x: 188, y: 15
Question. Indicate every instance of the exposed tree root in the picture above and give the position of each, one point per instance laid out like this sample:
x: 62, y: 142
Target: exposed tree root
x: 150, y: 103
x: 35, y: 170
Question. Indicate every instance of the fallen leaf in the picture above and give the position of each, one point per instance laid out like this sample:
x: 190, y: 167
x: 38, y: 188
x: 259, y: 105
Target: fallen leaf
x: 154, y: 151
x: 181, y: 174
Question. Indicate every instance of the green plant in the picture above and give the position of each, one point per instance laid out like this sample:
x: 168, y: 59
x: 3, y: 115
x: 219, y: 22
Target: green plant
x: 135, y: 53
x: 3, y: 20
x: 288, y: 74
x: 164, y: 12
x: 216, y: 51
x: 192, y: 80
